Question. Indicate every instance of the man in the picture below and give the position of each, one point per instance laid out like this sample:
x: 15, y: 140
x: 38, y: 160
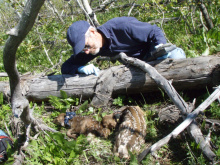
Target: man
x: 121, y: 34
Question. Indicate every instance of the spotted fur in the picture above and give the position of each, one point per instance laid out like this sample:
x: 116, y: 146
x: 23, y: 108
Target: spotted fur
x: 131, y: 133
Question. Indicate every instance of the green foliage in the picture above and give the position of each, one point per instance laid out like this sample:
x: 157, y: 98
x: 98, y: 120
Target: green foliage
x: 83, y: 108
x: 215, y: 110
x: 55, y: 149
x: 5, y: 112
x: 151, y: 122
x: 64, y: 102
x: 119, y: 101
x: 1, y: 98
x: 133, y: 159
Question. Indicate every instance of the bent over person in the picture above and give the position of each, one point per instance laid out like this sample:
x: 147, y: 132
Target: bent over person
x: 122, y: 34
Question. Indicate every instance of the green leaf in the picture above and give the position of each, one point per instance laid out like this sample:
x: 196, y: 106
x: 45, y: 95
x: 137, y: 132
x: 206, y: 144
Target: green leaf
x: 63, y: 94
x: 84, y: 106
x: 72, y: 154
x: 133, y: 160
x: 1, y: 98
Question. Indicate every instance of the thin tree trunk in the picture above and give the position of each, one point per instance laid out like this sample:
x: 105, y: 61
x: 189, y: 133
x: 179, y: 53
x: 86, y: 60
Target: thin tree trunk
x: 205, y: 14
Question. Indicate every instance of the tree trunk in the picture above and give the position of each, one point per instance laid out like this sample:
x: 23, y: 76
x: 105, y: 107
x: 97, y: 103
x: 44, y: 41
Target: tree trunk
x: 16, y: 35
x: 186, y: 74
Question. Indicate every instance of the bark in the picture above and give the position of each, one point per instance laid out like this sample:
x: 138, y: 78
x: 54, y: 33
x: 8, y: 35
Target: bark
x: 195, y: 133
x: 19, y: 102
x: 191, y: 73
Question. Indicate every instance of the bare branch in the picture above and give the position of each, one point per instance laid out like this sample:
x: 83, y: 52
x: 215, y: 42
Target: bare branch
x: 45, y: 50
x: 183, y: 125
x: 84, y: 5
x: 160, y: 80
x: 132, y: 7
x: 3, y: 74
x: 17, y: 34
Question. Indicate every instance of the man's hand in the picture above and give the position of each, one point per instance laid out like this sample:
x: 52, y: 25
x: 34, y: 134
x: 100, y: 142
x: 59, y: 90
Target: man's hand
x: 89, y: 69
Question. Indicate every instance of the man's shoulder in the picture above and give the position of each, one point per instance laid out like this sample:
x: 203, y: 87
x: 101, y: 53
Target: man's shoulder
x: 121, y: 20
x: 118, y: 23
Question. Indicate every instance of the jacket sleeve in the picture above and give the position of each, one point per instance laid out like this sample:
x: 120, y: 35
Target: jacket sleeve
x: 71, y: 65
x: 145, y: 32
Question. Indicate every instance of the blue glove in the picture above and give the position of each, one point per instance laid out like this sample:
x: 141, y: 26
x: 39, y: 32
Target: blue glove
x: 89, y: 69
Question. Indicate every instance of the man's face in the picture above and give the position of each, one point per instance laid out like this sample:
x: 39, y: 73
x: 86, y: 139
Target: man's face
x: 92, y: 44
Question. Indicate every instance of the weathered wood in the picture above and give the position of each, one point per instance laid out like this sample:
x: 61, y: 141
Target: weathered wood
x: 186, y: 74
x: 196, y: 133
x: 184, y: 108
x: 182, y: 126
x: 105, y: 86
x: 160, y: 80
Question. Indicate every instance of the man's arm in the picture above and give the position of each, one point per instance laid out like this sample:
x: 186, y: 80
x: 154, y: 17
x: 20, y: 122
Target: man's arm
x: 71, y: 65
x: 157, y: 35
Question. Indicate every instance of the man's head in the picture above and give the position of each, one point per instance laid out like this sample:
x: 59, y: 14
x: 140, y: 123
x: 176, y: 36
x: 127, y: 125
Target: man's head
x: 83, y: 37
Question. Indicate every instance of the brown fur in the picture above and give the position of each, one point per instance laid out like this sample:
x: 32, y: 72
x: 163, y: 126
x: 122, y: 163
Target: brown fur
x: 131, y: 133
x: 86, y: 125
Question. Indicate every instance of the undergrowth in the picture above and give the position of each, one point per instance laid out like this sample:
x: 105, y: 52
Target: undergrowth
x: 57, y: 148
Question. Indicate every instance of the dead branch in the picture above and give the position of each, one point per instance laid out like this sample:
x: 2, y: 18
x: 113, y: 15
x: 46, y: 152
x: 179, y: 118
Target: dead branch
x: 190, y: 73
x: 45, y: 50
x: 201, y: 19
x: 84, y: 5
x: 160, y: 80
x: 132, y: 7
x: 164, y: 20
x: 183, y: 125
x: 3, y: 74
x: 104, y: 86
x: 174, y: 96
x: 204, y: 144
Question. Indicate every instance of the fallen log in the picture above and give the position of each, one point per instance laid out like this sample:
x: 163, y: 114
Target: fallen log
x: 185, y: 74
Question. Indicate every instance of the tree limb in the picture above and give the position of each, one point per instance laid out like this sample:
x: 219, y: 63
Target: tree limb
x: 177, y: 100
x: 20, y: 104
x: 160, y: 80
x: 183, y: 125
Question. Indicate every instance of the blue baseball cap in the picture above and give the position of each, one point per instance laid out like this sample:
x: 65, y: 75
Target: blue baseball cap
x: 76, y: 35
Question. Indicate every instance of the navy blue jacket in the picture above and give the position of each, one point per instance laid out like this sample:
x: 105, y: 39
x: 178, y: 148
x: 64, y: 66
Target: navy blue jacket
x: 124, y: 34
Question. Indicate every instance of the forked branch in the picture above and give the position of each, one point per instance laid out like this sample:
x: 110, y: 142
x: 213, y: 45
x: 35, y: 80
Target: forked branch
x: 182, y: 126
x: 178, y: 101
